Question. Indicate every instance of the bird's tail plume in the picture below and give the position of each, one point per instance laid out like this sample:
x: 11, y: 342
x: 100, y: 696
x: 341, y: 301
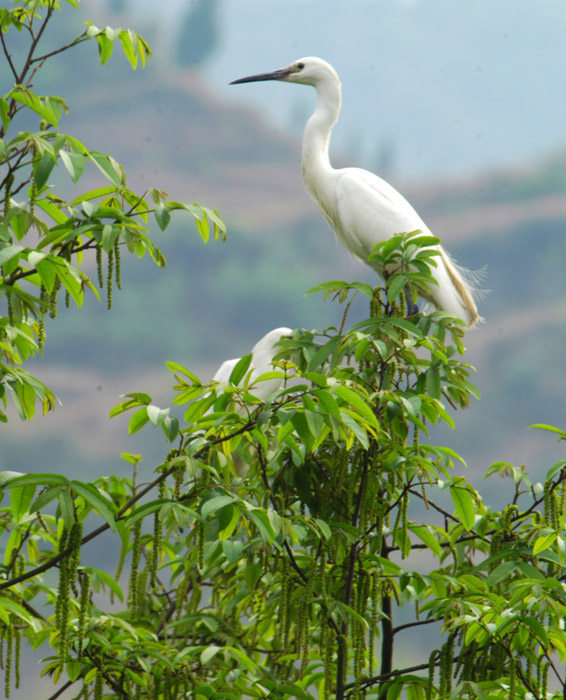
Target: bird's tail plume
x: 456, y: 290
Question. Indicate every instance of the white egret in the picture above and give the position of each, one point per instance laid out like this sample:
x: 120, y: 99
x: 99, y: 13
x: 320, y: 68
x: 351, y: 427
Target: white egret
x: 262, y: 353
x: 362, y: 208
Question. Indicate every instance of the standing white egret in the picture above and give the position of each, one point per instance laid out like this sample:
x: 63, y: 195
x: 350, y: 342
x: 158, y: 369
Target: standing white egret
x: 263, y: 353
x: 362, y: 208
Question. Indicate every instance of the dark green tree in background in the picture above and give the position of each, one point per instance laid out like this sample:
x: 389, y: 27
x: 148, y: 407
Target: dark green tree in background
x: 117, y: 6
x: 198, y: 35
x: 349, y: 533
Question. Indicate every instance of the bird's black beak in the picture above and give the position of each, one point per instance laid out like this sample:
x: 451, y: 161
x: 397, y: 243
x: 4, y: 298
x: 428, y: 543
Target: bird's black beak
x: 276, y: 75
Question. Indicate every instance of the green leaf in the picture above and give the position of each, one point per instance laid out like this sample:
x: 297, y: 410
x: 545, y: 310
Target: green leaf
x: 12, y: 544
x: 5, y: 114
x: 48, y: 109
x: 324, y: 528
x: 135, y: 399
x: 71, y: 279
x: 544, y: 542
x: 364, y: 288
x: 424, y: 534
x: 501, y: 572
x: 138, y: 420
x: 156, y: 415
x: 74, y: 164
x: 108, y: 167
x: 106, y: 579
x: 233, y: 550
x: 73, y: 669
x: 43, y: 170
x: 4, y: 617
x: 55, y: 213
x: 214, y: 504
x: 162, y: 216
x: 94, y: 498
x: 20, y: 500
x: 263, y: 524
x: 465, y: 507
x: 5, y: 477
x: 94, y: 194
x: 536, y: 628
x: 171, y: 427
x: 356, y: 401
x: 209, y: 653
x: 47, y: 271
x: 555, y: 469
x: 228, y: 519
x: 66, y: 504
x: 549, y: 428
x: 395, y: 286
x: 9, y: 251
x: 105, y: 47
x: 433, y: 384
x: 176, y: 367
x: 323, y: 353
x: 350, y: 420
x: 329, y: 403
x: 45, y: 498
x: 239, y: 371
x: 36, y: 479
x: 129, y: 41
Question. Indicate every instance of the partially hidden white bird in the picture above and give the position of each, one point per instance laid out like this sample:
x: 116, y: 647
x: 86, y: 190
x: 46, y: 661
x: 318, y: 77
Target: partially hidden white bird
x: 362, y: 208
x: 262, y: 353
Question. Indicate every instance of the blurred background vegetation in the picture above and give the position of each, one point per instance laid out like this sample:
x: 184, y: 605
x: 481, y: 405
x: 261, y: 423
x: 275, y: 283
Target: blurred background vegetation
x: 443, y: 101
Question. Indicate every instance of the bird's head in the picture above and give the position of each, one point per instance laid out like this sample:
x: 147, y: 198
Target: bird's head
x: 305, y: 71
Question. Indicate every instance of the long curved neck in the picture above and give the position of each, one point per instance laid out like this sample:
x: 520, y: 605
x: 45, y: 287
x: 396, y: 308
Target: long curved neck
x: 316, y: 138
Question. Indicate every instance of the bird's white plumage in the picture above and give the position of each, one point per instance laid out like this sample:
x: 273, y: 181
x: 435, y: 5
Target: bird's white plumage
x: 225, y: 370
x: 262, y: 353
x: 362, y: 208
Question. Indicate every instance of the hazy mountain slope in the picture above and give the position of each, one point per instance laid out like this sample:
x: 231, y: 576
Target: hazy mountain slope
x: 215, y: 301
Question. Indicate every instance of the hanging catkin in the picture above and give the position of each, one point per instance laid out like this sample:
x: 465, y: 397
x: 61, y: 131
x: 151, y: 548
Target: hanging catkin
x: 200, y: 536
x: 99, y: 271
x: 548, y: 503
x: 156, y: 549
x: 136, y: 553
x: 110, y: 278
x: 75, y: 539
x: 118, y: 264
x: 8, y: 660
x: 122, y: 558
x: 431, y: 667
x: 83, y: 611
x: 98, y: 686
x: 18, y: 654
x: 43, y: 308
x: 67, y: 254
x: 63, y: 595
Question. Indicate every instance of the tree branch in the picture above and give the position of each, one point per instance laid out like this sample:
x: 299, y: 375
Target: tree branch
x: 342, y: 653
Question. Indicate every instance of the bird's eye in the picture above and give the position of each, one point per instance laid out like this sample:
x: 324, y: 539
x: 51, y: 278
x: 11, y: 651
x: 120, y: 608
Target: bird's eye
x: 300, y: 66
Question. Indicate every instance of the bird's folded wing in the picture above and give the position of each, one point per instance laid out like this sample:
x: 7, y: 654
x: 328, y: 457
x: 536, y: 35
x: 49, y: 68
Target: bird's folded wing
x: 371, y: 211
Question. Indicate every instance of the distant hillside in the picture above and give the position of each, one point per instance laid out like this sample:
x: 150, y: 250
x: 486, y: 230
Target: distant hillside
x: 215, y: 301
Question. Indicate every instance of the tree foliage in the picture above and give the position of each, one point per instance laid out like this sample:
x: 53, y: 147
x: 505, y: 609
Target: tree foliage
x: 304, y: 574
x: 46, y: 239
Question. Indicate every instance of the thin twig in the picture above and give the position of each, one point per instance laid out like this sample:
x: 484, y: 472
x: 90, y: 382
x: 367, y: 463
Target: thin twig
x: 7, y: 53
x: 61, y: 690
